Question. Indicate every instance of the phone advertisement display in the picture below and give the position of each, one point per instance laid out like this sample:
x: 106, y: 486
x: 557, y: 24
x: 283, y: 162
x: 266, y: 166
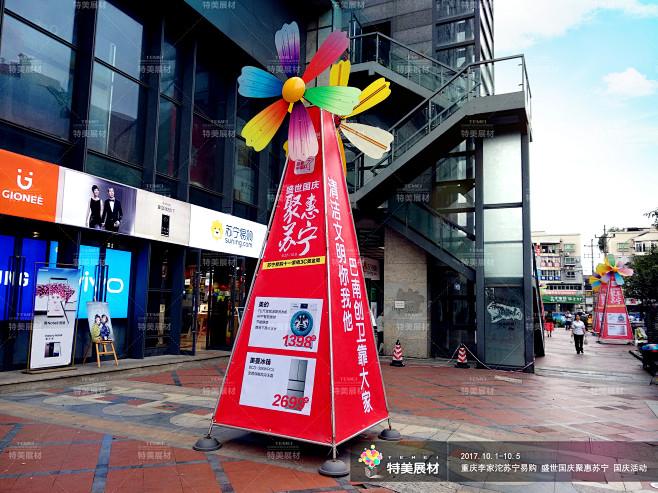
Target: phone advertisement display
x: 55, y: 305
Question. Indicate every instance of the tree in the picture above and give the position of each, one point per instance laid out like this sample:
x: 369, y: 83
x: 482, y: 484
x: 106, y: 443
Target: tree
x: 643, y: 284
x: 653, y: 215
x: 603, y: 240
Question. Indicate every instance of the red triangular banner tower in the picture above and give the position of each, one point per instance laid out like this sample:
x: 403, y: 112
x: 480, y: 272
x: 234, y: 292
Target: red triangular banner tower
x: 615, y: 324
x: 305, y: 363
x: 599, y: 309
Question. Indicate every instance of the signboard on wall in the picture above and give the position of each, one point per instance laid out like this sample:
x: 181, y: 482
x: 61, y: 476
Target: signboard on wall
x: 212, y: 230
x: 370, y: 268
x: 56, y: 300
x: 161, y: 218
x: 28, y: 187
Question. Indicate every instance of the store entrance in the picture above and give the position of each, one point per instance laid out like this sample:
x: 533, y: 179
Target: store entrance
x: 214, y: 297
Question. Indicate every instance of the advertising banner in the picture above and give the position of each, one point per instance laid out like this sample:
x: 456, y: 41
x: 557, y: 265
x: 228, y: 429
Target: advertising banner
x: 53, y: 328
x: 92, y: 202
x: 28, y: 187
x: 599, y: 308
x: 561, y: 298
x: 100, y: 322
x: 615, y: 323
x: 161, y: 218
x: 212, y: 230
x: 306, y: 334
x: 370, y: 268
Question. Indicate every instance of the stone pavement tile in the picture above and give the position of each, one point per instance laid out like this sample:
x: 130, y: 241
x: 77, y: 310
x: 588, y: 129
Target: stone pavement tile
x: 513, y: 402
x: 469, y: 402
x: 395, y: 392
x: 4, y: 429
x: 197, y: 477
x: 437, y: 391
x: 136, y: 402
x: 452, y: 414
x: 79, y: 482
x: 125, y: 480
x: 54, y: 391
x: 162, y: 479
x: 165, y: 379
x: 312, y: 480
x: 51, y: 433
x: 81, y: 456
x: 7, y: 418
x: 26, y: 484
x: 507, y: 417
x: 407, y: 404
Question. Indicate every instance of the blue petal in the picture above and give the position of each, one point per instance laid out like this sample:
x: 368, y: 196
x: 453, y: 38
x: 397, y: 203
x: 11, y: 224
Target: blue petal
x: 256, y: 83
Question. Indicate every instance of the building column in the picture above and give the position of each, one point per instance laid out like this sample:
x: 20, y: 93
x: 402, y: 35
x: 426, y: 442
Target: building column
x: 405, y: 282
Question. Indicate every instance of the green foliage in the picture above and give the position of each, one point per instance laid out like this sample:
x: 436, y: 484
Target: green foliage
x: 643, y: 284
x: 653, y: 215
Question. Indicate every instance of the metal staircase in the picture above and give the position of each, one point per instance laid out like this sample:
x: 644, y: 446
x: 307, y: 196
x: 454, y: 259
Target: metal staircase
x: 467, y: 103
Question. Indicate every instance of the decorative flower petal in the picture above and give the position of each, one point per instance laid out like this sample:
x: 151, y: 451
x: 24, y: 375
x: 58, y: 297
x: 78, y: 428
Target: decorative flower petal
x: 338, y: 100
x: 372, y: 141
x: 260, y: 129
x: 331, y: 49
x: 599, y: 268
x: 594, y: 279
x: 606, y: 277
x: 302, y: 141
x: 286, y: 40
x: 619, y: 279
x: 596, y: 286
x: 340, y: 73
x: 374, y: 94
x: 610, y: 260
x: 256, y: 83
x: 626, y: 271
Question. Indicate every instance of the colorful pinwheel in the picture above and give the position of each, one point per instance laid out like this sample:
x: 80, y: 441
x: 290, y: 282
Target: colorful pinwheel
x: 257, y: 83
x: 542, y: 287
x: 595, y: 281
x: 372, y: 141
x: 614, y: 268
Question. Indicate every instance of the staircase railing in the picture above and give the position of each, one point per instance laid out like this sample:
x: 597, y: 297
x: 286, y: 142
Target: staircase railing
x: 474, y: 80
x: 401, y: 59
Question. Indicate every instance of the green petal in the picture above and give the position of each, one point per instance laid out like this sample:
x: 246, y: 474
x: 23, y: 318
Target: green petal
x: 339, y: 100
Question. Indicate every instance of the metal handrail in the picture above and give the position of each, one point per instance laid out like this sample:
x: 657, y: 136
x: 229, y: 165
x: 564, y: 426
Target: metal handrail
x: 408, y: 48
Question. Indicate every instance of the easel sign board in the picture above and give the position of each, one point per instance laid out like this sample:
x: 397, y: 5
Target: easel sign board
x: 305, y: 364
x: 55, y: 315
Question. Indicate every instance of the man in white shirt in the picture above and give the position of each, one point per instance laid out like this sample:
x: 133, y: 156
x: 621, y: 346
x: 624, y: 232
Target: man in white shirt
x: 578, y: 334
x: 568, y: 320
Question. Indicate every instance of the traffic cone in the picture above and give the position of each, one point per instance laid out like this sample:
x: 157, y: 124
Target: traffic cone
x: 461, y: 358
x: 397, y: 355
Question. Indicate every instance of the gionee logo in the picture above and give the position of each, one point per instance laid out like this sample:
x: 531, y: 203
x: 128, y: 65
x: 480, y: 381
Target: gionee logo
x: 28, y: 180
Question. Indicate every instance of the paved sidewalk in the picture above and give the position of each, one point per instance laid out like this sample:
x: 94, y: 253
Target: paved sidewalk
x: 136, y: 433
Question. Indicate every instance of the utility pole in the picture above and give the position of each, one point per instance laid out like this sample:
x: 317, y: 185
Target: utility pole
x: 591, y: 252
x: 605, y: 240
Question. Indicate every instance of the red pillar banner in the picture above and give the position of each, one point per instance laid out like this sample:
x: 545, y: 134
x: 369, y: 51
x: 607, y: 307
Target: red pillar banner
x: 600, y: 308
x: 305, y: 364
x: 615, y: 323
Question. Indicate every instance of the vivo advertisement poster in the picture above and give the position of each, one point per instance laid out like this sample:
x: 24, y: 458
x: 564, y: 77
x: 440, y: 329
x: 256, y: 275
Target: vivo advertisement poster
x: 118, y: 279
x: 55, y: 305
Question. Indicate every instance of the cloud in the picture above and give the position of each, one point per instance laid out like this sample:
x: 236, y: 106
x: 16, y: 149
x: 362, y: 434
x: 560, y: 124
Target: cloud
x: 629, y: 84
x: 519, y: 24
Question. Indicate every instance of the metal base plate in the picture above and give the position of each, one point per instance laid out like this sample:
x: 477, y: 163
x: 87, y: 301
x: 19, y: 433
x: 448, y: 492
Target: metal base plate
x: 334, y: 468
x: 390, y: 435
x: 207, y: 444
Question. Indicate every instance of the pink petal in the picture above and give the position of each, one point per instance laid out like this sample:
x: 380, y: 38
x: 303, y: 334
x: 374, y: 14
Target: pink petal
x: 302, y: 141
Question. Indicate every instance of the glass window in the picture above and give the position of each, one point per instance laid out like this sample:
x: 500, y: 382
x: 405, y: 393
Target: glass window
x: 622, y: 246
x: 502, y: 168
x: 244, y: 181
x: 569, y: 247
x: 168, y: 188
x: 457, y: 57
x: 503, y: 225
x: 504, y: 332
x: 455, y: 32
x: 207, y: 155
x: 209, y: 88
x: 55, y: 16
x: 113, y: 170
x: 205, y: 199
x: 116, y: 123
x: 35, y: 146
x: 36, y: 76
x: 503, y: 260
x: 569, y: 260
x: 168, y: 138
x: 445, y: 8
x: 171, y: 78
x: 119, y: 41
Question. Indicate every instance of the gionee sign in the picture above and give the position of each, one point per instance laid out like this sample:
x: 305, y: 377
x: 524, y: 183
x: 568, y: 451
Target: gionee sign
x: 28, y: 187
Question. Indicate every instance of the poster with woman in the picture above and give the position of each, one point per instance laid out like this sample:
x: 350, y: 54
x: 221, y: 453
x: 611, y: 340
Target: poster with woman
x: 100, y: 322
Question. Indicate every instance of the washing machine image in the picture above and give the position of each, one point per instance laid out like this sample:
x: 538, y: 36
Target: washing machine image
x: 302, y: 318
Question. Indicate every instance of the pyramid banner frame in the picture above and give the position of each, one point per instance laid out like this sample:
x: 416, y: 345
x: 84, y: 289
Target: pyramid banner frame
x: 615, y: 324
x: 305, y: 364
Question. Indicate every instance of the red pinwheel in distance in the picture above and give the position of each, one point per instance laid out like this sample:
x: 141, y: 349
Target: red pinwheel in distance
x: 257, y: 83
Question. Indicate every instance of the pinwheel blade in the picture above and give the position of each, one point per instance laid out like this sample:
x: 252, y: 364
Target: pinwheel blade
x: 286, y: 40
x: 619, y: 279
x: 625, y: 271
x: 331, y: 49
x: 596, y: 283
x: 260, y: 129
x: 338, y: 100
x: 600, y: 269
x: 256, y: 83
x: 302, y: 142
x: 606, y: 277
x: 610, y: 260
x: 340, y: 73
x: 374, y: 94
x: 372, y: 141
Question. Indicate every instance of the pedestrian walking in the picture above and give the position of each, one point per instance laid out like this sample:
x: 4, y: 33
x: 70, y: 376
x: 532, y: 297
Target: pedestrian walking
x: 380, y: 332
x: 578, y: 334
x: 568, y: 320
x: 549, y: 324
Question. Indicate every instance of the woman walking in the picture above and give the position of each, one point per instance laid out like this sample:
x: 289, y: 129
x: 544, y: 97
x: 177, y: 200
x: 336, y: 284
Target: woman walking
x: 578, y: 334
